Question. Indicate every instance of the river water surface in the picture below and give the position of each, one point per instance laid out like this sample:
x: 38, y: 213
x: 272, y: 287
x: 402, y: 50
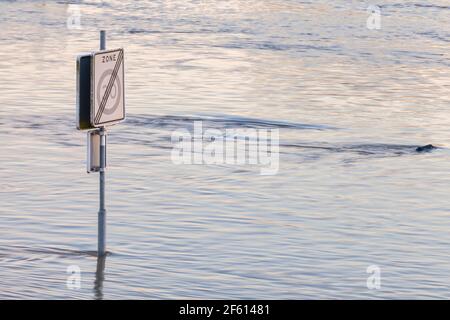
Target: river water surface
x: 351, y: 104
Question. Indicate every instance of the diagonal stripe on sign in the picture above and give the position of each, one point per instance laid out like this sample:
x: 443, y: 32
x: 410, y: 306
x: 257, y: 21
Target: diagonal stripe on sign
x: 108, y: 88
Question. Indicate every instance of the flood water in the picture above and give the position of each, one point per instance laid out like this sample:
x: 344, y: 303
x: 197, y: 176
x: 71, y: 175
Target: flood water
x: 351, y: 105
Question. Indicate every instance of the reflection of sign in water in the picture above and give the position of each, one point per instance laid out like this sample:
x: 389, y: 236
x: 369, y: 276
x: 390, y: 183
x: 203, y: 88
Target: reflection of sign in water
x: 108, y: 88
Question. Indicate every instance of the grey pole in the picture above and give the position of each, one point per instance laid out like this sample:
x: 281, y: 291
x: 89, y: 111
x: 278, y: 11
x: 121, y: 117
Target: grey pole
x: 102, y: 40
x: 102, y: 212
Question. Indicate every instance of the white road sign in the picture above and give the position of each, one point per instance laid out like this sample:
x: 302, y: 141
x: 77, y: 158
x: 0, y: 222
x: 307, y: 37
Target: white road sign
x: 107, y: 90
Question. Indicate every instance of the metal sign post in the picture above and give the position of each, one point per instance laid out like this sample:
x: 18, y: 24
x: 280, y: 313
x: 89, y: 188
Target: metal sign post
x: 102, y: 210
x: 101, y: 250
x: 100, y: 103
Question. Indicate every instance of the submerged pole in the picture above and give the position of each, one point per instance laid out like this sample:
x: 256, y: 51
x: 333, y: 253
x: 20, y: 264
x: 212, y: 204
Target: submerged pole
x: 102, y: 211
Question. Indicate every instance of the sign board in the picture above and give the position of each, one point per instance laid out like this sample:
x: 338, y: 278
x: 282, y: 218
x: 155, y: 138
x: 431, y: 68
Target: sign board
x: 100, y: 89
x: 84, y: 92
x: 108, y: 88
x: 93, y: 151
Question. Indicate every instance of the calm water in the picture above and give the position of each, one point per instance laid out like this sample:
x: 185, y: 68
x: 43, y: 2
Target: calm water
x: 351, y: 104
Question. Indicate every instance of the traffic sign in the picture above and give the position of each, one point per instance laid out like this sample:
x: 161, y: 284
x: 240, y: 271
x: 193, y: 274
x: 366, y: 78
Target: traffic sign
x: 107, y: 87
x: 84, y: 92
x: 100, y: 89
